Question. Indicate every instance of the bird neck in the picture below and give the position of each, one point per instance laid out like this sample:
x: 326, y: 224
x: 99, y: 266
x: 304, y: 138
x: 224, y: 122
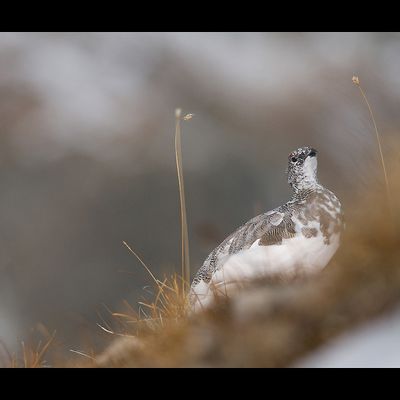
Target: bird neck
x: 305, y: 188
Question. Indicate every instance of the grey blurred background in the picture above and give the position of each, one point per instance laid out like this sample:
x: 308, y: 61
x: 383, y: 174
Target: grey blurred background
x: 87, y: 152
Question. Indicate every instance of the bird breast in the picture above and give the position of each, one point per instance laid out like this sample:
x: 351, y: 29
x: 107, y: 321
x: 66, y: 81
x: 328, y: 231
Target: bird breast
x: 304, y: 253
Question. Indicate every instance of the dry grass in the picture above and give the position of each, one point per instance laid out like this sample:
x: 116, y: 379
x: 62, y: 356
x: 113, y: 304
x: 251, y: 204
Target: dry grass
x: 356, y: 81
x: 32, y: 357
x: 169, y: 304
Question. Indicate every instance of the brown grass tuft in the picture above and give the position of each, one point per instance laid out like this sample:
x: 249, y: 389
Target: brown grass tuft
x: 32, y: 357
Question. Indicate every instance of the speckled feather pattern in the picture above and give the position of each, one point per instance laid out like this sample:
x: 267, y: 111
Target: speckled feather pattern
x: 312, y: 211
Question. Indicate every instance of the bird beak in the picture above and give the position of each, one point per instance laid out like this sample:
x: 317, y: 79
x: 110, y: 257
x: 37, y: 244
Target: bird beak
x: 312, y: 153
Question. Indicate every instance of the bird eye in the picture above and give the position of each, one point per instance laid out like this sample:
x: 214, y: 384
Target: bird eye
x: 294, y: 159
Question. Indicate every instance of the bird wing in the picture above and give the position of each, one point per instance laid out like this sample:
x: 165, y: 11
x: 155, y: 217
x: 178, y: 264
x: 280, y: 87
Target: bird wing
x: 269, y: 228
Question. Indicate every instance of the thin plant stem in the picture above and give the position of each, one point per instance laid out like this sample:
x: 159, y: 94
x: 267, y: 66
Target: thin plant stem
x: 185, y: 259
x: 142, y: 262
x: 356, y: 81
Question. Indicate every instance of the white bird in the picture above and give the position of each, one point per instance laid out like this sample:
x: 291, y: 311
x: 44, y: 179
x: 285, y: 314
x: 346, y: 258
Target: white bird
x: 299, y: 236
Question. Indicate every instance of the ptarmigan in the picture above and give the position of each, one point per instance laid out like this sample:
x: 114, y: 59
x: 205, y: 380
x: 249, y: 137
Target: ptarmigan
x: 299, y: 236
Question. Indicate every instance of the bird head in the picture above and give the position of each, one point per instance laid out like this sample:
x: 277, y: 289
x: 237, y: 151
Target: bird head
x: 302, y: 168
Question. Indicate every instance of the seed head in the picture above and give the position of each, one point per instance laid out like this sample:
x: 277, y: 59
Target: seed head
x: 355, y: 80
x: 188, y: 116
